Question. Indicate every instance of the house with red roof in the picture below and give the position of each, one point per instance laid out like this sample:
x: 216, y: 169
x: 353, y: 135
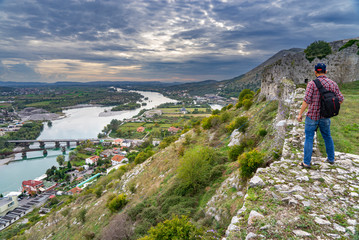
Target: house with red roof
x: 92, y: 160
x: 32, y: 186
x: 140, y: 129
x: 117, y: 159
x: 173, y: 129
x: 117, y: 141
x: 75, y: 190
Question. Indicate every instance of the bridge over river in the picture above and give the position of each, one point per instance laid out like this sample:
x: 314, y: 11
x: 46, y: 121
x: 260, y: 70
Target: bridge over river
x: 42, y: 142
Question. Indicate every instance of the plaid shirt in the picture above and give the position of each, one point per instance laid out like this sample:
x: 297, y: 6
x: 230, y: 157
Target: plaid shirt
x: 312, y: 96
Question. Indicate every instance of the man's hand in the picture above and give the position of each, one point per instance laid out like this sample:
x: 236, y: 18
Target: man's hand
x: 302, y: 109
x: 299, y: 117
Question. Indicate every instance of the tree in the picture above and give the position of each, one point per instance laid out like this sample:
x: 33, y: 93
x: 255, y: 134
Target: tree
x: 60, y: 159
x: 69, y: 166
x: 317, y: 49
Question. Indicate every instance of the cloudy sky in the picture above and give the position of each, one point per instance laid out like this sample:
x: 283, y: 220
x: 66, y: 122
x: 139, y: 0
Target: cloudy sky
x: 164, y: 40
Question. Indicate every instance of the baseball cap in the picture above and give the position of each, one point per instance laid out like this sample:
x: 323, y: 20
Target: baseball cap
x: 320, y: 67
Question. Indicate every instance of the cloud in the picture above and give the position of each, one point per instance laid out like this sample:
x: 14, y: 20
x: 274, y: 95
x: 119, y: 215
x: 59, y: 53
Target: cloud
x: 19, y: 72
x: 162, y: 40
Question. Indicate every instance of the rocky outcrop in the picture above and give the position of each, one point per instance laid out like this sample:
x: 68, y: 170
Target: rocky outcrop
x: 342, y: 66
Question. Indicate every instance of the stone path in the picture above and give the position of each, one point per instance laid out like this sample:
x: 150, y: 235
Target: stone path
x: 284, y: 201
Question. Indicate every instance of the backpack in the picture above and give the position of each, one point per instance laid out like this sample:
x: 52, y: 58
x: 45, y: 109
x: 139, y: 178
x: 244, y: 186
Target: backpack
x: 329, y: 102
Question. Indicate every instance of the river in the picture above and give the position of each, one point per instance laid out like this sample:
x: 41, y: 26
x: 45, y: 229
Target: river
x: 79, y: 123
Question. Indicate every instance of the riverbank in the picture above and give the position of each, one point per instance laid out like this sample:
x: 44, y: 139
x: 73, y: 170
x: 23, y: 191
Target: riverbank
x: 7, y: 160
x: 81, y: 106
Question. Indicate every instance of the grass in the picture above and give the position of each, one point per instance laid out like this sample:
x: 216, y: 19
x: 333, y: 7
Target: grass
x: 345, y: 126
x: 39, y: 104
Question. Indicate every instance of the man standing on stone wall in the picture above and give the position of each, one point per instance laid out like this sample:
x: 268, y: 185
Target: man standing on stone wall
x: 313, y: 119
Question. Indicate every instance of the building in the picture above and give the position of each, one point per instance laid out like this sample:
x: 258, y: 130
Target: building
x: 184, y: 111
x: 140, y: 129
x: 106, y: 153
x: 92, y: 160
x: 117, y: 141
x: 75, y: 190
x: 48, y: 186
x: 32, y: 186
x: 117, y: 159
x: 126, y: 143
x: 7, y: 204
x: 173, y: 129
x: 119, y: 151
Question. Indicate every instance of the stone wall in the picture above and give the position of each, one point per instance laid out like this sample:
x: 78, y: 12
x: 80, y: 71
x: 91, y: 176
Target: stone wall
x: 342, y: 66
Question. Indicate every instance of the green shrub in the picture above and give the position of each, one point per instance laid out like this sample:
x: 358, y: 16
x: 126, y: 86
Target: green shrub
x: 247, y: 103
x: 117, y: 203
x: 216, y: 112
x: 229, y: 106
x: 167, y: 141
x: 135, y: 211
x: 143, y: 156
x: 216, y: 172
x: 249, y: 162
x: 235, y: 151
x: 262, y: 132
x: 211, y: 121
x: 195, y: 166
x: 225, y: 116
x: 317, y: 49
x: 150, y: 213
x: 239, y: 105
x: 176, y: 228
x: 98, y: 191
x: 82, y: 215
x: 245, y: 94
x: 238, y: 122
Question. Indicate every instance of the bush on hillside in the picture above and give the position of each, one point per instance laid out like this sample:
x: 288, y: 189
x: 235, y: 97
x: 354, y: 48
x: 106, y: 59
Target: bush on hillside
x: 167, y: 141
x: 247, y: 103
x: 249, y: 162
x: 245, y: 94
x: 175, y: 228
x: 317, y: 49
x: 117, y: 203
x: 143, y: 156
x: 240, y: 122
x: 235, y: 151
x: 225, y: 116
x: 195, y: 167
x: 216, y: 172
x: 238, y: 105
x: 245, y: 99
x: 216, y: 112
x: 262, y: 132
x: 211, y: 121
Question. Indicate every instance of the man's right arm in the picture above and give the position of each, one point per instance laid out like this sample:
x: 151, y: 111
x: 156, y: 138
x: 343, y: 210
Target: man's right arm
x: 302, y: 109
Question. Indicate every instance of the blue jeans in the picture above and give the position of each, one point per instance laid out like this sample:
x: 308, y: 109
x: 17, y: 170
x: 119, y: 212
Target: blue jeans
x: 310, y: 127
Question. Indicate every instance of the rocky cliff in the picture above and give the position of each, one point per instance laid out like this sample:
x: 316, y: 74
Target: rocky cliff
x: 342, y: 66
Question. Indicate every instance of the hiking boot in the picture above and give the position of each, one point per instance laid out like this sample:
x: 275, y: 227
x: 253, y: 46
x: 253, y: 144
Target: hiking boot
x: 330, y: 162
